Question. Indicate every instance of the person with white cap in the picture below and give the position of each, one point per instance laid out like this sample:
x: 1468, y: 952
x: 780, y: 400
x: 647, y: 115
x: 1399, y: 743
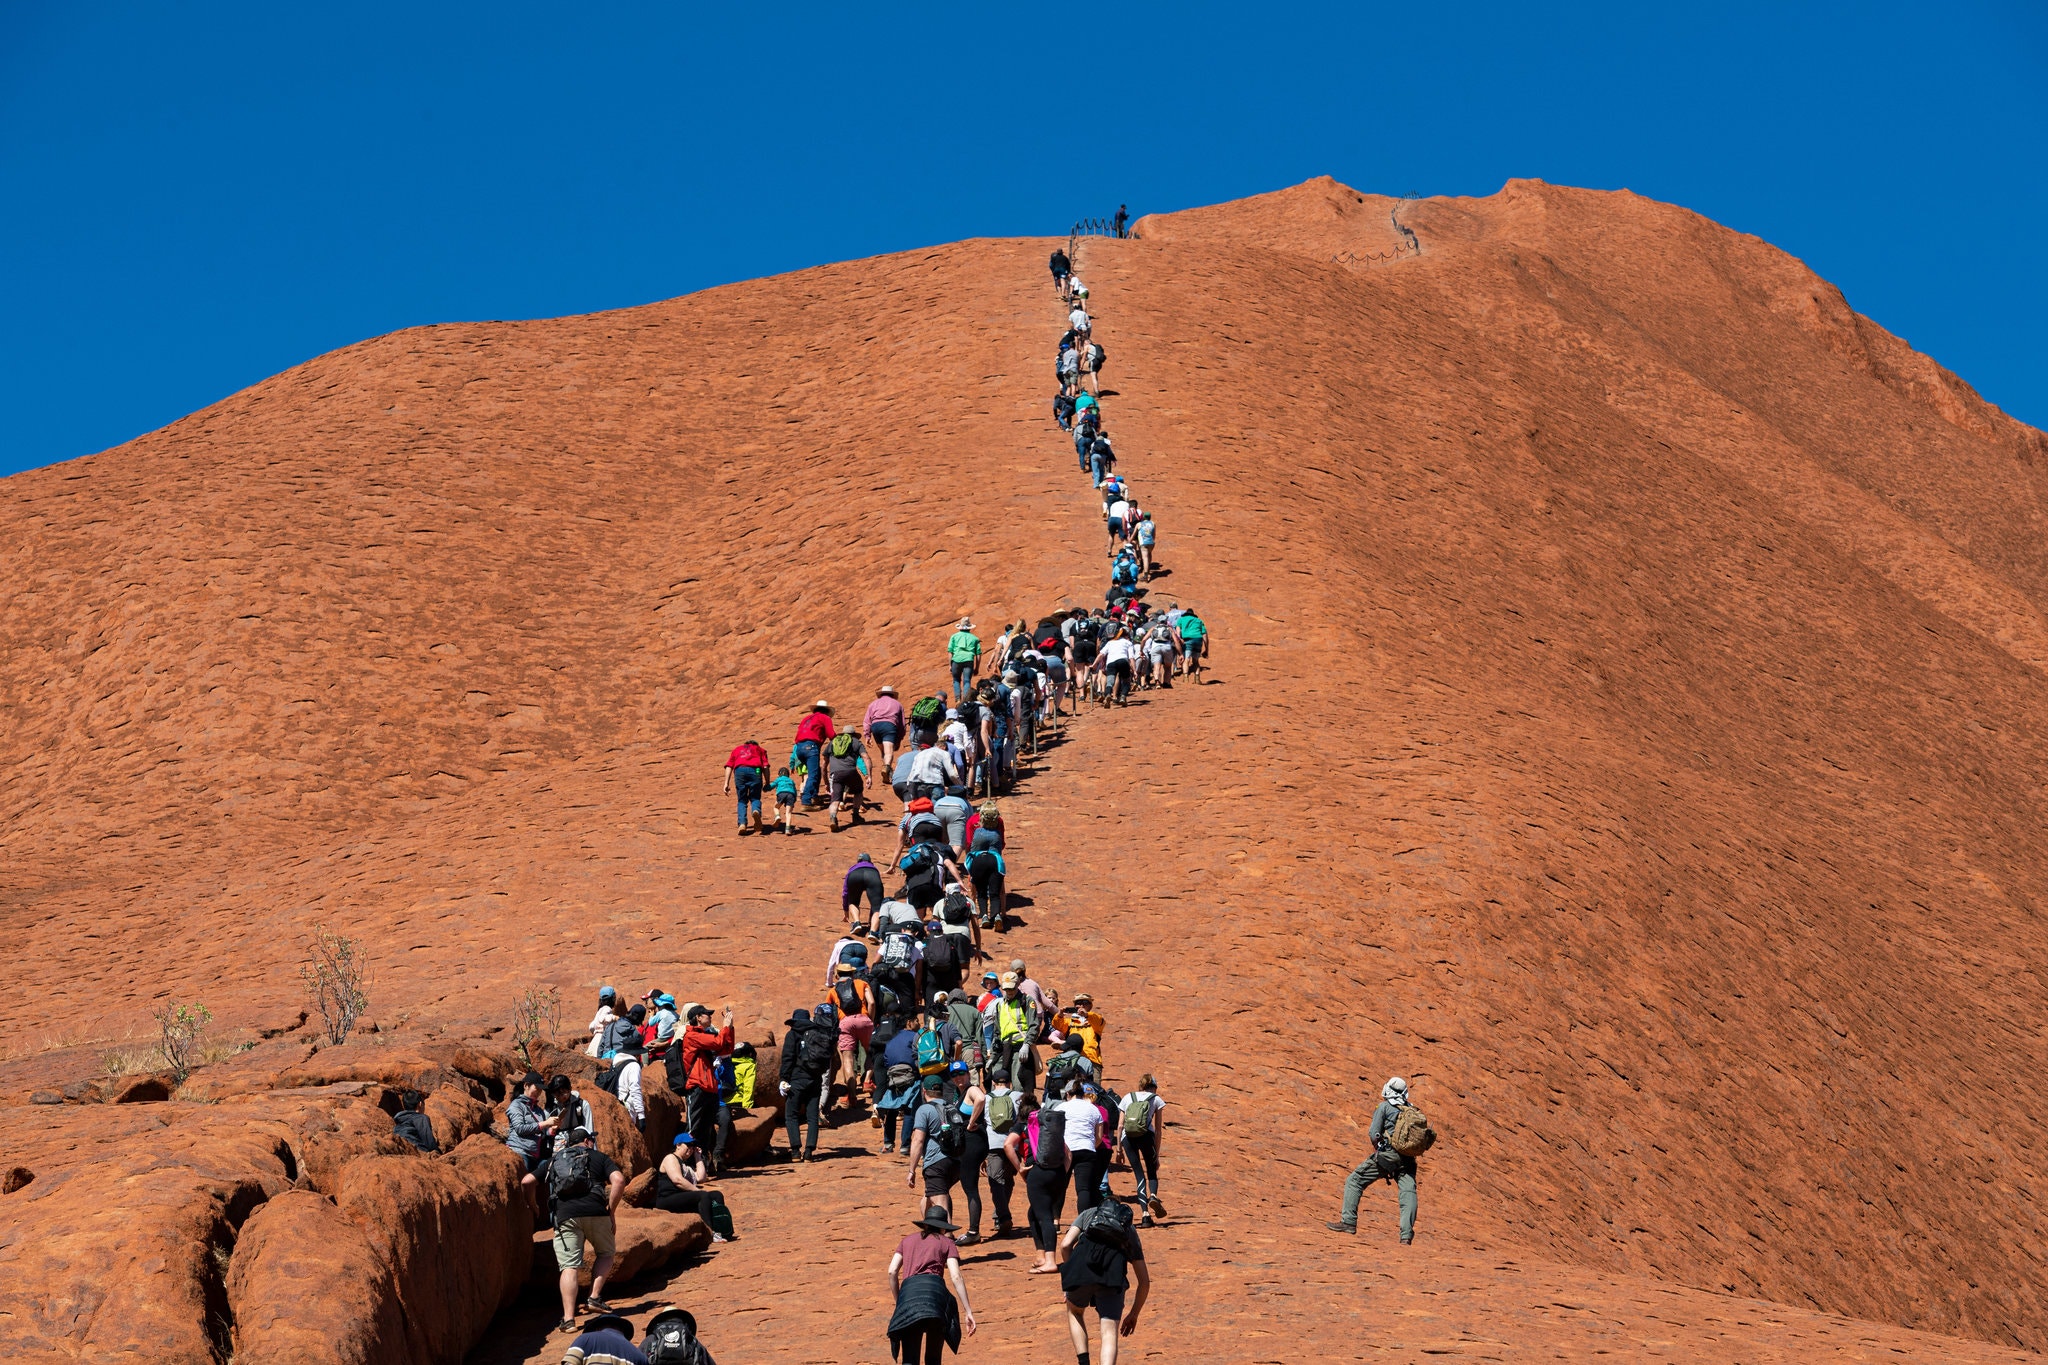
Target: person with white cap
x: 1384, y: 1164
x: 963, y: 650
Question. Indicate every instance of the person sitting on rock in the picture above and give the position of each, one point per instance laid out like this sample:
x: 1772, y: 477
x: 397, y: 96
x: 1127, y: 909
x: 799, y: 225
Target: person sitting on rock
x: 410, y: 1124
x: 679, y: 1186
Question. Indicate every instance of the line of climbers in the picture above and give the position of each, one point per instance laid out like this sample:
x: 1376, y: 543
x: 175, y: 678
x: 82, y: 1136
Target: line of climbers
x: 965, y: 1081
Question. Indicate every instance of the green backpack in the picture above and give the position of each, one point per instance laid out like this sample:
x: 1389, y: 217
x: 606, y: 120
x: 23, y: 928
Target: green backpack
x: 1138, y: 1116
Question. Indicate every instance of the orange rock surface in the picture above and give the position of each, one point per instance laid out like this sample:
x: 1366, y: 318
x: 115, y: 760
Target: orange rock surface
x: 1625, y: 725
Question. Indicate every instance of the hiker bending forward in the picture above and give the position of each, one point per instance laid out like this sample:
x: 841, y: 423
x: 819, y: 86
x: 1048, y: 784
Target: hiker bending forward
x: 1384, y: 1164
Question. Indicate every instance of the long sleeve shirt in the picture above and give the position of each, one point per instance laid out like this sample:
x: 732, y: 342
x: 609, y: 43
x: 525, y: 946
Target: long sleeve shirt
x: 629, y: 1092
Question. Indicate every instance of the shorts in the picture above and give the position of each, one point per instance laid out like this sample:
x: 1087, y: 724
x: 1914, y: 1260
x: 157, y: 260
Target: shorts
x: 1195, y: 648
x: 1116, y: 526
x: 1084, y: 654
x: 941, y: 1176
x: 884, y: 732
x: 571, y: 1236
x: 783, y: 800
x: 1108, y: 1303
x: 845, y: 786
x: 855, y: 1030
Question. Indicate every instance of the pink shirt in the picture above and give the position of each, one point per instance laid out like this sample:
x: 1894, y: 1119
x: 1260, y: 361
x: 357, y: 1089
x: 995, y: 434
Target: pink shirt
x: 887, y: 710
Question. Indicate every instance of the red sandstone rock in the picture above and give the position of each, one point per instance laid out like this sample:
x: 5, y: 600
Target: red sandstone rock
x: 306, y: 1287
x: 1630, y: 690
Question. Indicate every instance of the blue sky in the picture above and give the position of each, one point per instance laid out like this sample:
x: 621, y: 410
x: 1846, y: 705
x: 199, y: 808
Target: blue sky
x: 200, y: 196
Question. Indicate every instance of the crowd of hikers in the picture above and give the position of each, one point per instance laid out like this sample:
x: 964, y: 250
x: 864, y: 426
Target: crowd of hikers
x: 968, y: 1071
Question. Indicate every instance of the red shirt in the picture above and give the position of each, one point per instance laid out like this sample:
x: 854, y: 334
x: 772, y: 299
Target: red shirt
x: 700, y: 1049
x: 748, y: 756
x: 816, y: 725
x: 926, y: 1253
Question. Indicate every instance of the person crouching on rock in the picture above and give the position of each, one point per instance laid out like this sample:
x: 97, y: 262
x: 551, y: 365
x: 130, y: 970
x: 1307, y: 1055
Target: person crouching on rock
x: 606, y: 1339
x: 587, y: 1186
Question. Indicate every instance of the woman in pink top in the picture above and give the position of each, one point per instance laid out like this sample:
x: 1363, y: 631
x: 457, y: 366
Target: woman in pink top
x: 884, y: 726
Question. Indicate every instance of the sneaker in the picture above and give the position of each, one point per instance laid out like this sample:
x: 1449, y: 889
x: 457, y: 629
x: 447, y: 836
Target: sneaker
x: 566, y: 1325
x: 968, y: 1239
x: 1408, y: 1240
x: 1146, y: 1221
x: 1158, y: 1209
x: 717, y: 1237
x: 1342, y: 1227
x: 599, y: 1306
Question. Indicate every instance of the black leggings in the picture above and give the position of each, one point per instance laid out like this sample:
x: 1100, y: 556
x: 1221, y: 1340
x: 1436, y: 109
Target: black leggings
x: 1088, y: 1169
x: 971, y: 1158
x: 699, y: 1202
x: 1046, y: 1188
x: 866, y: 882
x: 933, y: 1335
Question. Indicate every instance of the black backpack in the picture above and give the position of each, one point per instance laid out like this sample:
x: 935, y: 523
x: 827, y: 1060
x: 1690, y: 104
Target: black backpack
x: 1064, y: 1067
x: 946, y: 953
x: 820, y: 1048
x: 570, y: 1175
x: 970, y: 716
x: 958, y: 909
x: 951, y: 1134
x: 608, y: 1079
x: 1052, y: 1136
x: 1108, y: 1223
x: 672, y: 1340
x: 848, y: 997
x: 888, y: 998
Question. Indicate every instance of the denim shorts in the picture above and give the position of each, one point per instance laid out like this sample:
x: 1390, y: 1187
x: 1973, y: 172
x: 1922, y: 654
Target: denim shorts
x: 883, y: 732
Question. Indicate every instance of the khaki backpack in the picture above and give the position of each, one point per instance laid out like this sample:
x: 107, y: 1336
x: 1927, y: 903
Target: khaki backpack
x: 1411, y: 1134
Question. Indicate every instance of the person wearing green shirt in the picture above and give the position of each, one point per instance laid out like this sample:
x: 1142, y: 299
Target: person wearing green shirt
x: 1194, y: 643
x: 964, y: 649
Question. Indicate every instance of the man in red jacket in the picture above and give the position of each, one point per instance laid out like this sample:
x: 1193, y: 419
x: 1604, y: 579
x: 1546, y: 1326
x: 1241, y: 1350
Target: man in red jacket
x: 811, y: 733
x: 701, y: 1048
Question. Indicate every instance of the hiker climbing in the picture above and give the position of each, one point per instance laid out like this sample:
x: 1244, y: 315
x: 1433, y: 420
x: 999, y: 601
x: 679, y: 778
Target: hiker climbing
x: 928, y: 1319
x: 1399, y: 1134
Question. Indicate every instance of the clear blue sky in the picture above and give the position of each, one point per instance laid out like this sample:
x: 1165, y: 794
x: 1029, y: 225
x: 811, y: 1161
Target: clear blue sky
x: 199, y: 196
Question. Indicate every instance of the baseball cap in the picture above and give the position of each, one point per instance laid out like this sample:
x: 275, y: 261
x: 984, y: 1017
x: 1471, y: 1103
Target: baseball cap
x: 577, y: 1135
x: 1009, y: 981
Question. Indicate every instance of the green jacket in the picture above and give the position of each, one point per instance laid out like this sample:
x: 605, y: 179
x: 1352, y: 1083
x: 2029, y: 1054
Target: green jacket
x: 964, y: 647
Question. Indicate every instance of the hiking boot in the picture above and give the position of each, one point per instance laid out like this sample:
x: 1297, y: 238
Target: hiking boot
x: 566, y: 1325
x: 599, y: 1306
x: 1342, y: 1227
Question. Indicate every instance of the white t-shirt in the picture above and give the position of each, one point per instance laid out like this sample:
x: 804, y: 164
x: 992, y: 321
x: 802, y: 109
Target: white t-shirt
x: 1078, y: 319
x: 1083, y: 1118
x: 1117, y: 651
x: 958, y: 738
x: 1119, y: 509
